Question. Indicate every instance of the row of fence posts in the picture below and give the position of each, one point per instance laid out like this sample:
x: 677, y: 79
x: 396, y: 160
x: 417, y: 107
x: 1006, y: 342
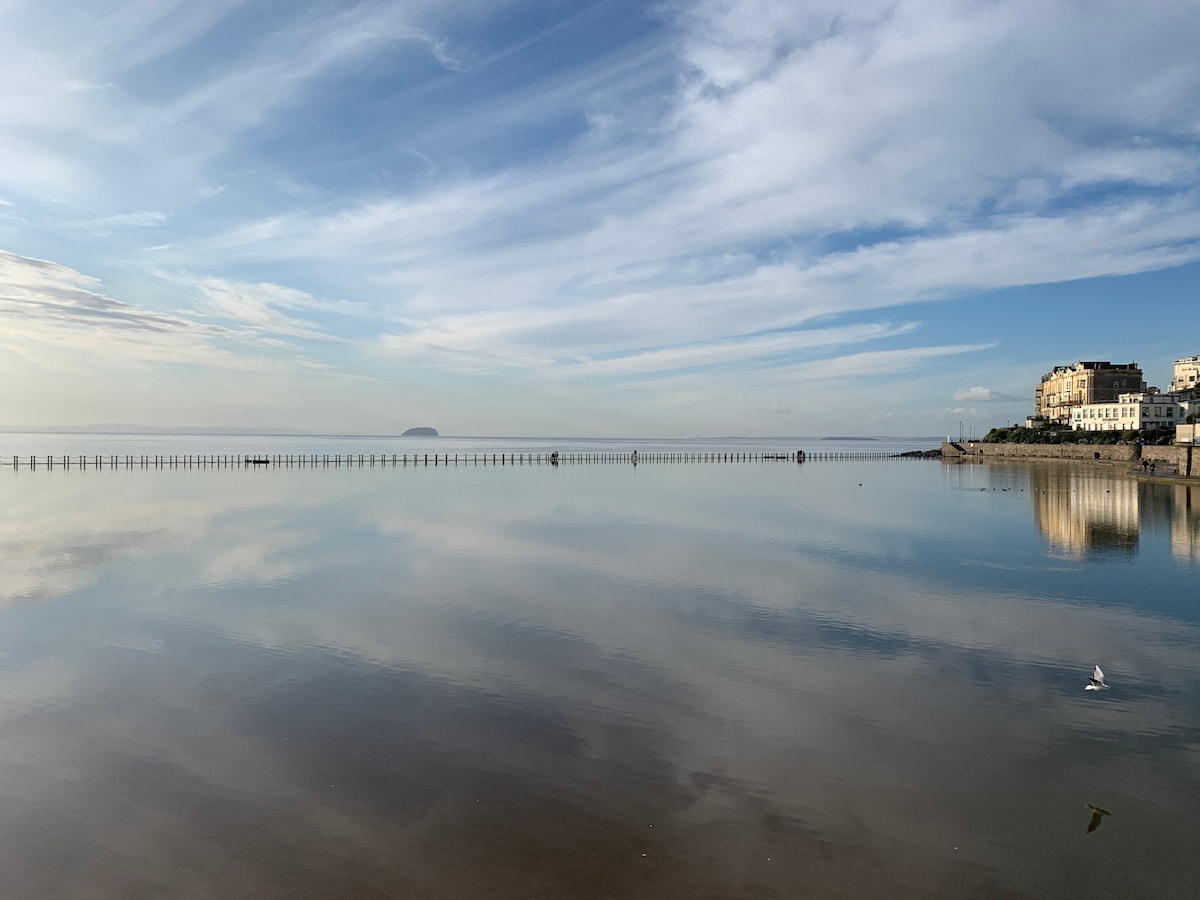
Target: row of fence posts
x: 338, y: 460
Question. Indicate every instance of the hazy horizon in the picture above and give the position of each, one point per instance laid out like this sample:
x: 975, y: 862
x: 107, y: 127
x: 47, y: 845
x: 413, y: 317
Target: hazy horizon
x: 200, y: 430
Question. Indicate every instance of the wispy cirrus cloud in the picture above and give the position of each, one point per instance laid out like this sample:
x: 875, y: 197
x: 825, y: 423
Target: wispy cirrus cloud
x: 267, y: 309
x: 57, y: 307
x: 105, y: 224
x: 736, y: 187
x: 53, y: 304
x: 658, y: 272
x: 120, y: 100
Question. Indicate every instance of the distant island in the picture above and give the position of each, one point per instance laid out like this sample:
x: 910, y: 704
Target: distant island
x: 840, y: 438
x: 421, y: 431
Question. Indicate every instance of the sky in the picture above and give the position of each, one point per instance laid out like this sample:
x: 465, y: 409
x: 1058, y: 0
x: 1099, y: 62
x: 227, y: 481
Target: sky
x: 558, y: 217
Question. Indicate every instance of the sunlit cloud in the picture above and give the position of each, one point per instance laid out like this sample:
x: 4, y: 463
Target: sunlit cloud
x: 48, y: 303
x: 979, y: 394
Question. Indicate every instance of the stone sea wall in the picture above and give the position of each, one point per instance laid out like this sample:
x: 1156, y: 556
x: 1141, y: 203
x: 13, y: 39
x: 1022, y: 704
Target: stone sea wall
x: 1184, y: 460
x: 1111, y: 452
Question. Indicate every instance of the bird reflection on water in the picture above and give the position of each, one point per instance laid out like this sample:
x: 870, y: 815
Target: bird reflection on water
x: 1097, y: 815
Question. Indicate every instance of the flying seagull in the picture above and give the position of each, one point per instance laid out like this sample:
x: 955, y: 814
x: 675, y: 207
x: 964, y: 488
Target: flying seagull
x: 1097, y: 815
x: 1096, y: 681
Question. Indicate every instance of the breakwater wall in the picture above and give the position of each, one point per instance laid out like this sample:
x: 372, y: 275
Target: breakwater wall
x: 1181, y: 458
x: 402, y: 460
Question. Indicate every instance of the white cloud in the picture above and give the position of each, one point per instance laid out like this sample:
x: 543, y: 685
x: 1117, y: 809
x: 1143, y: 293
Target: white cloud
x: 980, y: 394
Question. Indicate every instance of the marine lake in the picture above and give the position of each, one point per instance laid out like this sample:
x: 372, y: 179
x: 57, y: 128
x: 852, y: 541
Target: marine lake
x: 734, y: 680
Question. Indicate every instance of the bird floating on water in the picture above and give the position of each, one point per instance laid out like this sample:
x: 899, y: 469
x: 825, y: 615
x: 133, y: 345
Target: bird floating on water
x: 1096, y: 681
x: 1097, y: 815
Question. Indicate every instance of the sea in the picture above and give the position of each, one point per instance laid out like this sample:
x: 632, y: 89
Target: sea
x: 832, y: 679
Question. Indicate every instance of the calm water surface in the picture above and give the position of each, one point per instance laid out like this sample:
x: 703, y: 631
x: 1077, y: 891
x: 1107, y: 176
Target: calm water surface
x: 694, y: 681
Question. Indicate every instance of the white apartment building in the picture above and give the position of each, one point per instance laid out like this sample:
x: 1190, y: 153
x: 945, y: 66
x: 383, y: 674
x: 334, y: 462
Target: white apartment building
x: 1187, y: 374
x: 1131, y: 412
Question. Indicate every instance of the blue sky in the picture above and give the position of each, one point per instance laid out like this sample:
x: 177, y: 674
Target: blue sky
x: 611, y: 218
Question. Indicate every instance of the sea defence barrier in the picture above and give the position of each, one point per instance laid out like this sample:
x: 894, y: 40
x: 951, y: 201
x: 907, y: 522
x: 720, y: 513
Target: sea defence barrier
x: 400, y: 460
x: 1182, y: 458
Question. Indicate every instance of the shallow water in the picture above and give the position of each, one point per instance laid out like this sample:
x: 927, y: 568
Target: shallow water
x: 772, y: 680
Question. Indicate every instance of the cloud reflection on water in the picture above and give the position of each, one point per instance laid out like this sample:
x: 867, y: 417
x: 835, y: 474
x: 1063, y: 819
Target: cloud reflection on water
x: 509, y: 675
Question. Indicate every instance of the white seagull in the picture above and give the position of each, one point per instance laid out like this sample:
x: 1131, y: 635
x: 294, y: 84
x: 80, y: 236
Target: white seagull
x: 1096, y: 681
